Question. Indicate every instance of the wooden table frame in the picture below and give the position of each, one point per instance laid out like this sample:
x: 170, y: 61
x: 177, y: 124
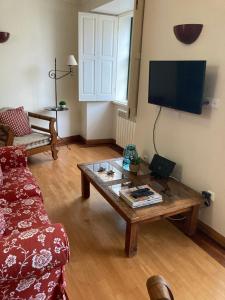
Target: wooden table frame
x: 182, y: 199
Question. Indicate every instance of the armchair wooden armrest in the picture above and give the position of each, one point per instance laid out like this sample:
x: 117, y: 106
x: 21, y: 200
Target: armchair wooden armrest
x: 159, y: 289
x: 6, y: 135
x: 51, y: 130
x: 41, y: 117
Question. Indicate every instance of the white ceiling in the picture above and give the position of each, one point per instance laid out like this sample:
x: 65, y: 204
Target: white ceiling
x: 116, y: 7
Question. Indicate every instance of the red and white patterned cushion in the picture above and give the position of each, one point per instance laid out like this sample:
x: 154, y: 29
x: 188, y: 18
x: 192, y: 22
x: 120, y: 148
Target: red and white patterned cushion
x: 19, y: 184
x: 17, y: 120
x: 2, y: 224
x: 13, y: 157
x: 32, y: 264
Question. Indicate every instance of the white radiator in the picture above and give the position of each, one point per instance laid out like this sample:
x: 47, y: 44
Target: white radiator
x: 125, y: 129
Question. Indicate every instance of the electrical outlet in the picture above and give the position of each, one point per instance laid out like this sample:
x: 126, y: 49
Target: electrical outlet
x: 208, y: 197
x: 212, y: 195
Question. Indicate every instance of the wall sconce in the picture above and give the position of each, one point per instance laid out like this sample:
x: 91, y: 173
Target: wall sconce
x: 4, y: 36
x: 187, y: 33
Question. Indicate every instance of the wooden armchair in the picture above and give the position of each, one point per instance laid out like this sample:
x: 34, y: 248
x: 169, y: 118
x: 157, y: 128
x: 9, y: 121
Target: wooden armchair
x: 159, y: 289
x: 40, y: 140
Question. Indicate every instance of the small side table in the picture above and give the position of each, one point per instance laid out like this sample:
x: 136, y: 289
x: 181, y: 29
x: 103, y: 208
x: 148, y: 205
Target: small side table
x: 56, y: 109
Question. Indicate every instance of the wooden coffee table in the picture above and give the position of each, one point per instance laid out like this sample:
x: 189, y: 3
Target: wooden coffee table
x: 177, y: 198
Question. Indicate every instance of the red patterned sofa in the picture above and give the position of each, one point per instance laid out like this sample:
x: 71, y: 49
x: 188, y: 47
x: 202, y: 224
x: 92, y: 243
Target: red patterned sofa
x: 33, y: 252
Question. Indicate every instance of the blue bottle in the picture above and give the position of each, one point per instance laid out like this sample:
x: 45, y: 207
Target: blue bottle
x: 129, y: 154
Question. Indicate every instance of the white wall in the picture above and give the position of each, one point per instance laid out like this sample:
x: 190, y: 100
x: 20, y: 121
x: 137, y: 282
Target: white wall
x: 97, y: 120
x: 196, y: 143
x: 84, y: 120
x: 40, y: 31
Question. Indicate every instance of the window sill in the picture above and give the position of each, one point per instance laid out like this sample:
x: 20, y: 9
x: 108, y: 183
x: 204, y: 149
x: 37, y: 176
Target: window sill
x: 120, y: 103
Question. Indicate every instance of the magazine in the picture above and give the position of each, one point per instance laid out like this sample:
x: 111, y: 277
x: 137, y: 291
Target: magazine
x: 126, y: 195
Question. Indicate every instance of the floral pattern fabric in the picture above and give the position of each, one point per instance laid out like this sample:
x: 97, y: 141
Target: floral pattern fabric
x: 24, y: 214
x: 33, y: 252
x: 19, y: 183
x: 19, y: 260
x: 1, y: 176
x: 2, y: 223
x: 12, y: 157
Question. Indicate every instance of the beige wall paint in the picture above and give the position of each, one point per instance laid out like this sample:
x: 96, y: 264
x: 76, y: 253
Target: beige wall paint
x: 40, y: 31
x: 196, y: 143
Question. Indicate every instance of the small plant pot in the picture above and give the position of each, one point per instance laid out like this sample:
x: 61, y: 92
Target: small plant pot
x: 62, y: 106
x: 134, y: 168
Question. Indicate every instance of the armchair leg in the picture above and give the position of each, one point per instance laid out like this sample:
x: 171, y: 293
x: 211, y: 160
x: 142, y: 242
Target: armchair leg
x: 54, y: 152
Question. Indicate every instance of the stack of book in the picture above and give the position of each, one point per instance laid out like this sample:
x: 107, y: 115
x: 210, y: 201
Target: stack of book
x: 131, y: 197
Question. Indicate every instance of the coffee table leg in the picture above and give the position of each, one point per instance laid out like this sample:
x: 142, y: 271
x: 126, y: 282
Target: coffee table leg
x: 192, y: 221
x: 131, y: 239
x: 85, y: 186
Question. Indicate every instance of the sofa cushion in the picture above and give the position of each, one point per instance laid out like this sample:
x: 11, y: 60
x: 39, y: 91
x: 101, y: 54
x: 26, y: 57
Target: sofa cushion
x: 18, y: 176
x: 32, y: 264
x: 19, y: 183
x: 17, y: 120
x: 1, y: 176
x: 2, y: 223
x: 12, y: 157
x: 33, y: 140
x: 22, y: 215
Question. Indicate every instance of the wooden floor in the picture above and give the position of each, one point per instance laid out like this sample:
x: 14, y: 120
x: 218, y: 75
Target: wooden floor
x: 98, y: 269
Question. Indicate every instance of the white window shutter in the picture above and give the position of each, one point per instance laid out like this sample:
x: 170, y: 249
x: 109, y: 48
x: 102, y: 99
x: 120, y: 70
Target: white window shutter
x: 107, y: 49
x: 87, y: 56
x: 97, y: 57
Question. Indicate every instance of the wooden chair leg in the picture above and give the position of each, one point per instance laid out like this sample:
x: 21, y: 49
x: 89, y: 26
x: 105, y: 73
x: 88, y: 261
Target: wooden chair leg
x: 54, y: 152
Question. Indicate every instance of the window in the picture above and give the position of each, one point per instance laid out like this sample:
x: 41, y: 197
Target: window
x: 104, y: 52
x: 97, y: 57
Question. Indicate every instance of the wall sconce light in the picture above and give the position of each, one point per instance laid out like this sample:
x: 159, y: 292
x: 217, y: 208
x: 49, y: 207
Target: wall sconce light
x: 4, y: 36
x: 187, y: 33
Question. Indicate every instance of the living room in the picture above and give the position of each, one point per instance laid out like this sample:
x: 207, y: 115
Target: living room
x: 97, y: 125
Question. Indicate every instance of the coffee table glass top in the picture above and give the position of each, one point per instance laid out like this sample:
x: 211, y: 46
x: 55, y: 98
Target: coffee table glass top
x: 114, y: 178
x: 106, y: 171
x: 143, y: 169
x: 112, y: 170
x: 116, y: 188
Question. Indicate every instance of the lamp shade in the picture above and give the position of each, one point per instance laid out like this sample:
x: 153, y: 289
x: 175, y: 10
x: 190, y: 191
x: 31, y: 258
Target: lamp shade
x: 71, y: 61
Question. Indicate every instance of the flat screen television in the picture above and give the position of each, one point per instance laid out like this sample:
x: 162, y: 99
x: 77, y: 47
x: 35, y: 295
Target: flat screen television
x: 177, y: 84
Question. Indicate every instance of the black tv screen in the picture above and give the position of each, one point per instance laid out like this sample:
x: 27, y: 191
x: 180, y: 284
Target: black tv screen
x: 177, y: 84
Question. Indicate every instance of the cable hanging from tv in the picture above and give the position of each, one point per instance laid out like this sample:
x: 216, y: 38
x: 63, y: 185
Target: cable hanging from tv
x: 154, y: 130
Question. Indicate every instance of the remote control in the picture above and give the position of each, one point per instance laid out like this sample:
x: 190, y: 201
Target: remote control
x: 142, y: 193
